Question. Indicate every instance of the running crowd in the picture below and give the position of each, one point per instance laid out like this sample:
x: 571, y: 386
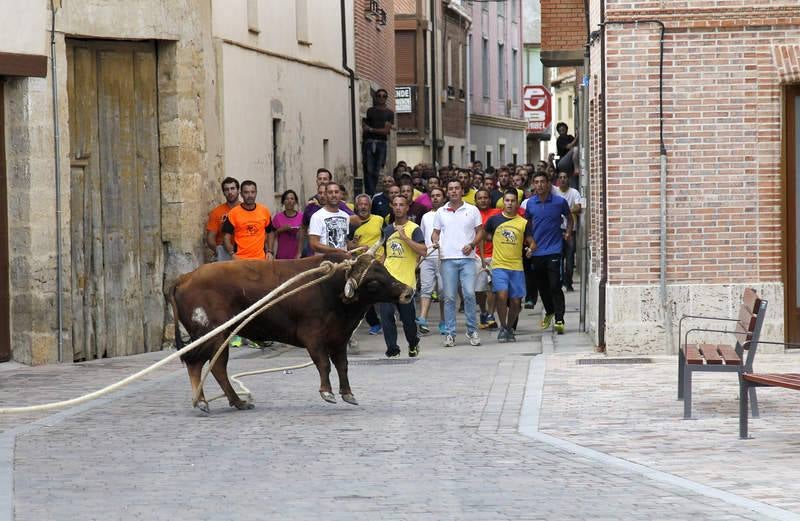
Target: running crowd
x: 490, y: 238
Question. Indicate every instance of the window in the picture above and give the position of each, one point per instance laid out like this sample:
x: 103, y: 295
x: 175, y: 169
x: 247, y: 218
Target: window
x: 560, y: 112
x: 502, y: 154
x: 325, y: 153
x: 570, y: 107
x: 277, y: 166
x: 501, y: 72
x: 405, y: 56
x: 472, y: 156
x: 450, y: 157
x: 301, y: 20
x: 514, y: 77
x: 501, y: 8
x: 449, y: 63
x: 514, y: 158
x: 461, y: 66
x: 485, y: 66
x: 252, y: 16
x: 488, y: 159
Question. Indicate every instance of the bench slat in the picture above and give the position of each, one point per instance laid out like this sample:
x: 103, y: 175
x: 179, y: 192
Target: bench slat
x: 709, y: 352
x: 729, y: 355
x: 785, y: 380
x: 751, y: 300
x: 693, y: 355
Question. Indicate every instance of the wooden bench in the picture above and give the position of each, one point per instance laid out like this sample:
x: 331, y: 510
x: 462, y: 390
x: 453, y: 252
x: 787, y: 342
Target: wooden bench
x: 749, y: 381
x: 721, y: 358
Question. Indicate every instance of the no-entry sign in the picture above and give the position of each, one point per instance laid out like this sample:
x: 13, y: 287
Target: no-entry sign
x: 536, y: 107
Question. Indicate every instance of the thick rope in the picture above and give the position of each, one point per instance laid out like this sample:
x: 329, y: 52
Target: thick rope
x: 326, y: 265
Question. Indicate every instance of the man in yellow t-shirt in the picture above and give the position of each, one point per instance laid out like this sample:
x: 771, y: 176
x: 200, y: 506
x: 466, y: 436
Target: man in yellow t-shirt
x: 366, y: 232
x: 509, y: 233
x: 404, y: 245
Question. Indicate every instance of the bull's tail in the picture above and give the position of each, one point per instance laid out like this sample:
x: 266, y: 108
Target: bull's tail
x: 170, y: 294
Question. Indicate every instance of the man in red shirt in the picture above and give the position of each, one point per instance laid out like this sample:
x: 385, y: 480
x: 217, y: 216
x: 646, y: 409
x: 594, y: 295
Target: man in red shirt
x: 483, y: 295
x: 245, y: 230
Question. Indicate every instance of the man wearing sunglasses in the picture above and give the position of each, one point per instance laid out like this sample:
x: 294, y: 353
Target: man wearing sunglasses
x: 376, y: 127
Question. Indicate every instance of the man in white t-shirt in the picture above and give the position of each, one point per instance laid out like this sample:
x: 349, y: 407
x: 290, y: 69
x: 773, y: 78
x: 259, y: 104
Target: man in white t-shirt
x: 430, y: 277
x: 457, y: 230
x: 327, y: 231
x: 573, y: 198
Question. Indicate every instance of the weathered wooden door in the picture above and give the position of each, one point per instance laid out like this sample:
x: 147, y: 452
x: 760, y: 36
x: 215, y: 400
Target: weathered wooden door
x: 792, y: 225
x: 5, y: 297
x: 115, y: 199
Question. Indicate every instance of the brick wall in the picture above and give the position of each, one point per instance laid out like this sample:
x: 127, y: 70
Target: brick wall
x: 374, y: 47
x: 723, y: 75
x: 563, y: 25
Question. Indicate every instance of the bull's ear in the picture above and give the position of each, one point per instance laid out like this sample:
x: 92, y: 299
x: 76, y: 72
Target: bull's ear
x: 350, y: 288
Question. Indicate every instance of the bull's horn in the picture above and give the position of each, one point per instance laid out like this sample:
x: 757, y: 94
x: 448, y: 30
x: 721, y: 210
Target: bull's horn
x: 372, y: 249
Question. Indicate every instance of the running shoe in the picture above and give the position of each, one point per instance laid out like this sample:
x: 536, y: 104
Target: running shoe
x: 473, y: 339
x: 236, y: 341
x: 434, y: 297
x: 449, y: 341
x: 413, y: 351
x: 491, y: 323
x: 510, y: 336
x: 501, y: 336
x: 559, y: 327
x: 375, y: 330
x: 529, y: 304
x: 442, y: 328
x: 393, y: 352
x: 422, y: 325
x: 547, y: 320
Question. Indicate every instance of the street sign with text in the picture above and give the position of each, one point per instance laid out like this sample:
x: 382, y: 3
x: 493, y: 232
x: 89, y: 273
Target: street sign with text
x: 536, y: 106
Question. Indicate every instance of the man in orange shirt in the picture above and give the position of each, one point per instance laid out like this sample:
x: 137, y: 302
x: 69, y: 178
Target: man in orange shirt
x: 246, y: 228
x: 230, y: 189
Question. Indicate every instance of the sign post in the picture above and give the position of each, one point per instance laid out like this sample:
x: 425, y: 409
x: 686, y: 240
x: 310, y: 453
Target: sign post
x: 536, y: 106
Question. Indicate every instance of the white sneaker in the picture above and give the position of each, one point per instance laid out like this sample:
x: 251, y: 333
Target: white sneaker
x: 474, y: 339
x: 449, y: 341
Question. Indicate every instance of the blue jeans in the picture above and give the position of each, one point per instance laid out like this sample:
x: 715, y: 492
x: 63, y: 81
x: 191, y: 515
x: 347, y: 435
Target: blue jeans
x: 374, y: 159
x: 455, y: 272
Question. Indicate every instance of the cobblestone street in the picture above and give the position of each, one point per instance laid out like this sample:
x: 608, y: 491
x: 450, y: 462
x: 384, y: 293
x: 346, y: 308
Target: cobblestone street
x: 434, y: 438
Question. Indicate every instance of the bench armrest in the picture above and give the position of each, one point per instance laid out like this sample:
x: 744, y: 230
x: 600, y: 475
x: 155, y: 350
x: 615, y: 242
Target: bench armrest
x: 680, y: 322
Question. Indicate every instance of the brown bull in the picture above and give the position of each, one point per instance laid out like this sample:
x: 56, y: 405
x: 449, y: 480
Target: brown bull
x: 321, y: 318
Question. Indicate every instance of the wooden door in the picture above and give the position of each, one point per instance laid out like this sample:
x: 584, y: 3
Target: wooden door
x: 115, y: 199
x: 792, y: 225
x: 5, y: 294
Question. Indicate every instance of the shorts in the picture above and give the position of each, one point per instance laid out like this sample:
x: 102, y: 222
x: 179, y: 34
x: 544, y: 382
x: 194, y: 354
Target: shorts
x: 430, y: 277
x: 512, y: 281
x: 482, y: 279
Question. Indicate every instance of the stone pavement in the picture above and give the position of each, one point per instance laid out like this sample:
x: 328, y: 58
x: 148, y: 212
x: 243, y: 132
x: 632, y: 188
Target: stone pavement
x: 462, y: 433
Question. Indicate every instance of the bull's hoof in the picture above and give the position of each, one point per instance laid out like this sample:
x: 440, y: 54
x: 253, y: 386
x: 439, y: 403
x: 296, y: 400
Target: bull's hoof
x: 328, y: 396
x: 349, y: 398
x: 243, y: 405
x: 203, y: 406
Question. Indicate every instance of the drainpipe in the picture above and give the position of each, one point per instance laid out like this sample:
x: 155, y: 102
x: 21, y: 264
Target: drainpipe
x: 57, y: 147
x: 601, y: 297
x: 467, y: 101
x: 434, y: 92
x: 351, y: 73
x: 666, y: 311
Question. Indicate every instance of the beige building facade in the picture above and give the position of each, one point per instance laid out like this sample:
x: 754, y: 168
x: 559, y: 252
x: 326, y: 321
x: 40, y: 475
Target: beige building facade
x: 156, y: 101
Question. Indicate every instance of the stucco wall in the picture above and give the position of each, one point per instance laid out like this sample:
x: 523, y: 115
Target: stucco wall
x: 22, y: 26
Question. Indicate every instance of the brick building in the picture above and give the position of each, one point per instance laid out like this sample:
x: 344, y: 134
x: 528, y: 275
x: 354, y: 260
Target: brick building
x: 682, y: 223
x: 431, y: 58
x: 374, y: 53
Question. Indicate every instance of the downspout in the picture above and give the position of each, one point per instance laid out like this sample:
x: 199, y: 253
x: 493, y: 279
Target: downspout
x: 467, y: 100
x: 662, y: 189
x: 351, y: 73
x: 601, y: 297
x: 584, y: 178
x: 57, y: 147
x: 434, y: 92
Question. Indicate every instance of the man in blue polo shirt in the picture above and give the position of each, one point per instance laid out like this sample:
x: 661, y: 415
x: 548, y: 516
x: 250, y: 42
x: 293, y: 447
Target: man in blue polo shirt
x: 544, y: 211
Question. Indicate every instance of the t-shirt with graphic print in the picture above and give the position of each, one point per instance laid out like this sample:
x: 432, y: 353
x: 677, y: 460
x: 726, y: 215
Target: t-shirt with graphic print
x: 401, y: 260
x: 508, y: 238
x: 249, y: 230
x: 330, y: 227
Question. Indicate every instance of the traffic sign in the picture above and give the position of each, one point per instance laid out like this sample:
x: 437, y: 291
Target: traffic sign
x: 536, y: 106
